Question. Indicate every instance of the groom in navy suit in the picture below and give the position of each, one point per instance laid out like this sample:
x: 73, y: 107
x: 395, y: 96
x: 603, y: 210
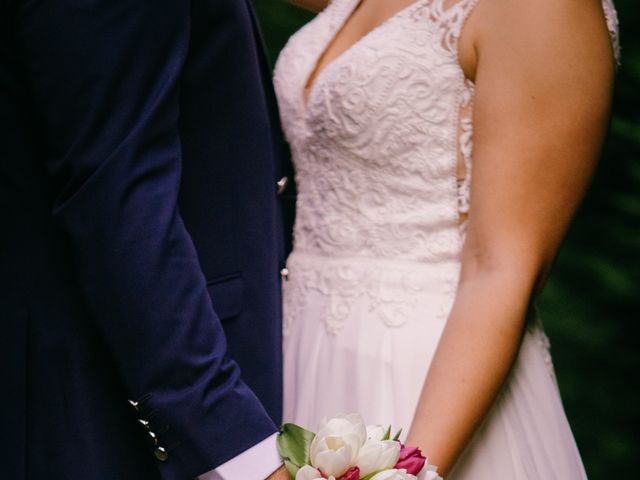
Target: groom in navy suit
x: 140, y: 191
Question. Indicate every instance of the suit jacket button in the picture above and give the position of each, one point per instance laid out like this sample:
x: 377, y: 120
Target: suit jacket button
x: 284, y: 274
x: 153, y: 437
x: 144, y: 423
x: 161, y: 454
x: 282, y: 184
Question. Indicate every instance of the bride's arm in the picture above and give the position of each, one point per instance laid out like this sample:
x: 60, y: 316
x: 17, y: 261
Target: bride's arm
x: 544, y: 73
x: 313, y: 5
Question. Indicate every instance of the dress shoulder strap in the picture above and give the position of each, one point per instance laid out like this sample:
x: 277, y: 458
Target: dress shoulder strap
x: 611, y: 15
x: 450, y: 17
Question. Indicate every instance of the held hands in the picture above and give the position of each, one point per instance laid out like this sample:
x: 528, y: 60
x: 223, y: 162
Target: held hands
x: 280, y: 474
x: 345, y: 449
x: 313, y: 5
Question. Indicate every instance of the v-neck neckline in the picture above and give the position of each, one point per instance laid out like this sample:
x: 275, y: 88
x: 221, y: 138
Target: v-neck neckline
x: 308, y: 88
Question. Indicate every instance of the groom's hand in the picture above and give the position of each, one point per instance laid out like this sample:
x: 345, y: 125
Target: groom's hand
x: 280, y: 474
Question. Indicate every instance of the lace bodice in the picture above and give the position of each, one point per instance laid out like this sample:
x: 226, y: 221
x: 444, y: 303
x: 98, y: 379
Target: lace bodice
x: 378, y: 143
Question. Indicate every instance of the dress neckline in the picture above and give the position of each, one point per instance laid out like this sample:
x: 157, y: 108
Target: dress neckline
x: 308, y: 86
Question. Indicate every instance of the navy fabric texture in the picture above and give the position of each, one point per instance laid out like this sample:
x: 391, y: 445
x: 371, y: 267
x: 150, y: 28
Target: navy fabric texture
x: 142, y: 238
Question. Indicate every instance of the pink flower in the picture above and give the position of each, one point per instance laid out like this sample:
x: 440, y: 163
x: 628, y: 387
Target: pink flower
x: 352, y: 474
x: 411, y: 459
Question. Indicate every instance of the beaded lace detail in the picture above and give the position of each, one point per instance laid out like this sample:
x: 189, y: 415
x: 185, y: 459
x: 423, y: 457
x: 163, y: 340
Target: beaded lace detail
x: 611, y: 15
x: 387, y: 292
x: 376, y: 145
x: 379, y: 144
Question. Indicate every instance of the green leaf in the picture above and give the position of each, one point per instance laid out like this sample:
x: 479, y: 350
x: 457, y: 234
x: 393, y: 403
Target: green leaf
x: 371, y: 475
x: 291, y: 468
x: 396, y: 437
x: 387, y: 434
x: 293, y: 445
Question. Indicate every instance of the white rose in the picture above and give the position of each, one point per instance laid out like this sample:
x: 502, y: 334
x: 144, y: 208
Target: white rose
x: 378, y: 455
x: 394, y: 474
x: 309, y: 473
x: 336, y: 446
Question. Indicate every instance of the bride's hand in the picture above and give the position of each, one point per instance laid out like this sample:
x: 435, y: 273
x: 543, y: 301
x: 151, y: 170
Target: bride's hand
x: 280, y: 474
x: 313, y: 5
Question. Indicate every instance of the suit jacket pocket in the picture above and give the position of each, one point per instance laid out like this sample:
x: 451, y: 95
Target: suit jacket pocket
x: 226, y: 294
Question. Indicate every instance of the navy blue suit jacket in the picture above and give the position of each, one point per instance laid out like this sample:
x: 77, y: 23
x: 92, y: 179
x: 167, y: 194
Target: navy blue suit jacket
x: 142, y: 240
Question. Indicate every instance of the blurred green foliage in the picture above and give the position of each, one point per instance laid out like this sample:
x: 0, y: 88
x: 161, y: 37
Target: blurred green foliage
x: 591, y: 304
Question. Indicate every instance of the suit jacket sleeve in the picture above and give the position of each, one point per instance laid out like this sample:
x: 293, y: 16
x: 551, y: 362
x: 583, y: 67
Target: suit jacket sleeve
x: 105, y: 80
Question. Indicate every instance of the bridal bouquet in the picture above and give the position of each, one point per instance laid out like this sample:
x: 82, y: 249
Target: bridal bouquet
x: 344, y: 449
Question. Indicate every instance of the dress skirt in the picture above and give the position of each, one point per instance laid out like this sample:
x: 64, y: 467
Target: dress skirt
x: 359, y: 338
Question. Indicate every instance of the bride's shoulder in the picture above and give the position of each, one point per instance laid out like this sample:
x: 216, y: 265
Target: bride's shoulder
x: 537, y: 33
x: 524, y: 27
x: 497, y: 15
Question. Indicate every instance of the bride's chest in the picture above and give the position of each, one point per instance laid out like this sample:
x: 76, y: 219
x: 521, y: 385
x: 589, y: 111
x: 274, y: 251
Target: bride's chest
x: 401, y: 76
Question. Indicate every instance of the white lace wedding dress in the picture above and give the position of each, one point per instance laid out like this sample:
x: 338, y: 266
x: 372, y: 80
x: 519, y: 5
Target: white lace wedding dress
x: 371, y: 280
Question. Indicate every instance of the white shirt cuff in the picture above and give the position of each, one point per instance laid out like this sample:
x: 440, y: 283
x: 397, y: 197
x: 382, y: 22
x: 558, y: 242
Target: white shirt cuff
x: 257, y: 463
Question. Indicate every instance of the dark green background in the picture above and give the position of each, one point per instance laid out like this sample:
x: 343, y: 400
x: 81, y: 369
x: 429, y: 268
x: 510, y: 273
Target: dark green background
x: 590, y: 306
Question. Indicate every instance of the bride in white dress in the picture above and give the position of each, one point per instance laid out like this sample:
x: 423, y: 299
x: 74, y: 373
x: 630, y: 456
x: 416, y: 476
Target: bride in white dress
x: 408, y: 296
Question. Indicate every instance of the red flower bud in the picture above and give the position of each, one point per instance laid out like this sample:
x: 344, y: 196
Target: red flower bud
x: 352, y: 474
x: 411, y: 459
